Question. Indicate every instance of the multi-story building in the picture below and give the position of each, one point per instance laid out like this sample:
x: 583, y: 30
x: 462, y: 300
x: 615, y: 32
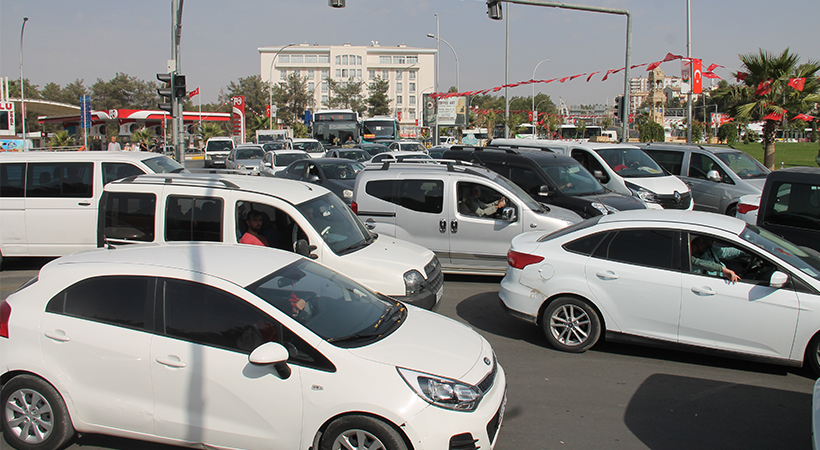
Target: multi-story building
x: 410, y: 72
x: 639, y: 88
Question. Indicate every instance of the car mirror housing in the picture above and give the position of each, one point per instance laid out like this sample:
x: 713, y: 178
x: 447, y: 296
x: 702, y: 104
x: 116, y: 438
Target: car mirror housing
x: 304, y: 249
x: 544, y: 191
x: 508, y: 214
x: 312, y: 178
x: 778, y: 280
x: 713, y: 175
x: 269, y: 353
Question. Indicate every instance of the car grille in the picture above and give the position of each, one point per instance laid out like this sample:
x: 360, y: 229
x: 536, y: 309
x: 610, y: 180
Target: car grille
x: 485, y: 384
x: 681, y: 201
x: 435, y: 277
x: 464, y: 441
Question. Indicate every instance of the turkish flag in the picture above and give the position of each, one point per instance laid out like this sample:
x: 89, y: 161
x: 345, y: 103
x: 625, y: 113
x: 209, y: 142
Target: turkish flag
x: 805, y: 117
x: 741, y: 76
x: 713, y: 67
x: 194, y: 93
x: 590, y: 75
x: 670, y: 57
x: 764, y: 87
x: 773, y: 116
x: 710, y: 75
x: 797, y: 83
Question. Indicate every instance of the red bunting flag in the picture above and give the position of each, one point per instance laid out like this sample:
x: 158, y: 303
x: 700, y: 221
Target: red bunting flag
x: 764, y: 87
x: 713, y: 67
x: 741, y: 76
x: 607, y: 74
x: 653, y: 66
x: 805, y: 117
x: 563, y: 79
x: 797, y: 83
x: 710, y: 75
x: 195, y: 92
x: 671, y: 57
x: 590, y: 75
x: 576, y: 76
x: 774, y: 116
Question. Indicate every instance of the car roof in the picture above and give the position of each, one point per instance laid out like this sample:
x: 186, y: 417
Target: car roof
x: 235, y: 263
x: 682, y: 147
x: 535, y: 143
x: 542, y: 157
x: 430, y: 166
x: 281, y: 151
x: 303, y: 140
x: 707, y: 219
x: 293, y: 191
x: 332, y: 160
x: 37, y: 156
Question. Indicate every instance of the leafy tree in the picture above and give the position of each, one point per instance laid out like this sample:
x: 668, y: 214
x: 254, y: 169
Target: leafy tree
x: 378, y: 102
x: 124, y: 91
x: 144, y: 136
x: 62, y: 139
x: 346, y: 95
x: 651, y: 131
x: 256, y: 123
x: 256, y: 95
x: 300, y: 130
x: 728, y: 133
x: 753, y: 100
x: 697, y: 131
x: 292, y: 98
x: 210, y: 130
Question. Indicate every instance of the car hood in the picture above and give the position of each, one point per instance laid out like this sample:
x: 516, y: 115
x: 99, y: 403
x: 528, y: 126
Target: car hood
x: 660, y: 185
x: 432, y: 343
x: 393, y: 257
x: 248, y: 162
x: 618, y: 201
x: 757, y: 183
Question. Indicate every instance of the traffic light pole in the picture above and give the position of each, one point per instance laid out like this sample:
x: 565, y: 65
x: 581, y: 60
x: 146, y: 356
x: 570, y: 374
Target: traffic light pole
x: 176, y: 114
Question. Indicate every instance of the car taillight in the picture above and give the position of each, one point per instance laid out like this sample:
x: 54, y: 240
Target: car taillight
x: 354, y: 207
x: 743, y: 208
x: 5, y: 313
x: 519, y: 260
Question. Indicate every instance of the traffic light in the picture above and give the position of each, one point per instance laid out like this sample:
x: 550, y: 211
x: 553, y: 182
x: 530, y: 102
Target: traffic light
x: 180, y: 91
x: 620, y: 110
x: 494, y: 9
x: 166, y: 92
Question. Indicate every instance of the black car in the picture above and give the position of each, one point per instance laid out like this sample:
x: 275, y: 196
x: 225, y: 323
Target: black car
x: 373, y: 149
x: 336, y: 174
x: 549, y: 178
x: 790, y: 205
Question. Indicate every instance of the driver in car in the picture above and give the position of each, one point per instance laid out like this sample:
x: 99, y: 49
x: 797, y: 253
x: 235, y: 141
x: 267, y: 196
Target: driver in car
x: 706, y: 258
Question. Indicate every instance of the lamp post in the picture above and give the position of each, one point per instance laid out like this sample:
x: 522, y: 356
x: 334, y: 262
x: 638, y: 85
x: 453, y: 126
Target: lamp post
x: 270, y: 82
x: 431, y: 35
x: 534, y: 118
x: 22, y: 92
x: 438, y: 63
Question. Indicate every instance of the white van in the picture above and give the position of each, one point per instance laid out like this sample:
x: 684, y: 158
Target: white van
x: 295, y: 216
x: 48, y: 200
x: 217, y: 150
x: 621, y: 168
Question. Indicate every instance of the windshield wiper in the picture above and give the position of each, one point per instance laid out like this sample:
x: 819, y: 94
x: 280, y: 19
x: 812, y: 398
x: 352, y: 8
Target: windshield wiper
x: 361, y: 244
x: 386, y: 318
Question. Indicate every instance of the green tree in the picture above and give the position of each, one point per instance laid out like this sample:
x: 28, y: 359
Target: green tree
x: 144, y: 136
x: 753, y: 100
x: 346, y: 95
x: 256, y: 123
x: 728, y: 133
x: 378, y: 104
x: 651, y: 131
x: 292, y: 98
x: 210, y: 130
x: 62, y: 139
x: 697, y: 131
x: 256, y: 95
x: 124, y: 91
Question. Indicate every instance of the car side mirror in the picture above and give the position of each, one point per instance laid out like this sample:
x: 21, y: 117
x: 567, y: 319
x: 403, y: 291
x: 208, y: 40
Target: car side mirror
x: 312, y: 178
x: 305, y: 249
x: 600, y: 176
x: 267, y: 164
x: 778, y: 280
x: 508, y: 214
x: 713, y: 175
x: 544, y: 191
x: 272, y: 353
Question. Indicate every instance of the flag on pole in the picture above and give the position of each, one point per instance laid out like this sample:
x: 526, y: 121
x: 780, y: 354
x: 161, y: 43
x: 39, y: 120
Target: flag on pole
x: 194, y: 93
x: 797, y: 83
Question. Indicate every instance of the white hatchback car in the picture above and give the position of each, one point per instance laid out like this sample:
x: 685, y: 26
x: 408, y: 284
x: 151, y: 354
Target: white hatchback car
x: 664, y: 277
x: 200, y: 345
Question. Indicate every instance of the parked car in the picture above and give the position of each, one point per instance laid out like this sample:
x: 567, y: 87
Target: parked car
x: 788, y: 206
x: 245, y: 156
x: 373, y: 149
x: 397, y: 156
x: 217, y: 150
x: 219, y: 346
x: 313, y: 147
x: 437, y: 152
x: 621, y: 168
x: 354, y: 154
x: 718, y: 176
x: 664, y: 277
x: 467, y: 214
x: 550, y: 178
x: 336, y: 174
x: 299, y: 217
x: 48, y: 200
x: 277, y: 160
x: 407, y: 146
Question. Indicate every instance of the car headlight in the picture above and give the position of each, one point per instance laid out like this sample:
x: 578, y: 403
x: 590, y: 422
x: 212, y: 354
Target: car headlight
x: 240, y: 166
x: 643, y: 193
x: 442, y: 392
x: 347, y: 193
x: 413, y: 281
x: 605, y: 209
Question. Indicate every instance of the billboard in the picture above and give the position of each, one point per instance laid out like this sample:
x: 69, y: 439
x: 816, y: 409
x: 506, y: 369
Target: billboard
x: 429, y: 114
x: 453, y: 112
x: 7, y: 117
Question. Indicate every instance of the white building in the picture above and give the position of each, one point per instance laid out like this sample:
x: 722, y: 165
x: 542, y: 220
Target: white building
x: 410, y: 71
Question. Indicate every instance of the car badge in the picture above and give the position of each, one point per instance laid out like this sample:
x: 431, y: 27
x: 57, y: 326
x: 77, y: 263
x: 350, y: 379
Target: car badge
x: 486, y: 361
x: 677, y: 197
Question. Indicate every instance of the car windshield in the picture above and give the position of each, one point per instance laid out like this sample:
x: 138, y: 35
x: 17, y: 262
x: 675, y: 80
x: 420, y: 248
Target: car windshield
x: 336, y: 223
x: 164, y: 164
x: 250, y: 153
x: 743, y: 165
x: 284, y: 159
x: 806, y: 262
x: 274, y: 146
x: 412, y: 147
x: 219, y: 146
x: 342, y: 170
x: 631, y: 162
x: 573, y: 180
x: 520, y: 193
x: 355, y: 155
x: 334, y: 307
x: 375, y: 149
x: 310, y: 147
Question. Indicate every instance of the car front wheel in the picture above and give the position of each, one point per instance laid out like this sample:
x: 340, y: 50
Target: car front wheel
x: 571, y: 324
x: 813, y: 355
x: 359, y: 433
x: 34, y: 415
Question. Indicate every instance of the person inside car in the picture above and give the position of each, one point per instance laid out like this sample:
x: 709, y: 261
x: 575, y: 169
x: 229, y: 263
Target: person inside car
x: 706, y: 258
x: 470, y: 202
x: 254, y: 234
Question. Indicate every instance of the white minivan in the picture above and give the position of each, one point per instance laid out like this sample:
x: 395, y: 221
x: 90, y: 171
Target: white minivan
x: 621, y: 168
x: 291, y: 215
x: 48, y: 200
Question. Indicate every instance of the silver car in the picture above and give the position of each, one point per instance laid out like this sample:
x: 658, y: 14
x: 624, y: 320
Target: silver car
x: 717, y: 176
x: 245, y: 156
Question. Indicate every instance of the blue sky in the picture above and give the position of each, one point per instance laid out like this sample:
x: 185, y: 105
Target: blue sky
x: 91, y: 39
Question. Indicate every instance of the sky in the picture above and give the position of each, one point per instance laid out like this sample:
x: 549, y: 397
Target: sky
x: 68, y: 40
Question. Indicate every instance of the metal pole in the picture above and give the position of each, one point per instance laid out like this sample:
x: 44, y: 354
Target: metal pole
x: 534, y: 115
x: 625, y: 99
x: 691, y: 75
x: 506, y: 83
x: 430, y: 35
x: 177, y: 109
x: 270, y: 83
x: 22, y: 91
x: 438, y: 51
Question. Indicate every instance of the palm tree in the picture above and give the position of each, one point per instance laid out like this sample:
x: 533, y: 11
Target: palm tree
x: 62, y: 139
x: 765, y: 93
x: 210, y: 130
x: 143, y: 136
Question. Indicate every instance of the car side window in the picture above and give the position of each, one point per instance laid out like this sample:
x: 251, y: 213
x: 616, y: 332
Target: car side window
x: 12, y: 179
x: 60, y: 180
x: 129, y: 216
x: 585, y: 245
x: 117, y: 171
x: 382, y: 189
x: 425, y: 196
x: 643, y: 247
x: 670, y: 160
x: 591, y: 164
x: 125, y: 301
x: 298, y: 168
x: 793, y: 205
x: 526, y: 178
x: 709, y: 255
x: 193, y: 219
x: 480, y: 201
x: 700, y: 165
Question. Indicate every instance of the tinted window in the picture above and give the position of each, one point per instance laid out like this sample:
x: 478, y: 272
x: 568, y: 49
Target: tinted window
x: 287, y: 158
x: 382, y: 189
x: 653, y: 248
x: 524, y: 177
x: 163, y: 164
x: 122, y: 301
x: 585, y: 245
x: 422, y: 195
x: 72, y: 180
x: 12, y: 179
x: 129, y: 216
x: 297, y: 169
x: 116, y: 171
x: 193, y: 219
x: 669, y: 160
x: 793, y: 205
x: 700, y: 165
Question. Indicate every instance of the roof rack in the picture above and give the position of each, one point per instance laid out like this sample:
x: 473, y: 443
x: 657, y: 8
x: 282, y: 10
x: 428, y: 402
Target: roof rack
x: 178, y: 179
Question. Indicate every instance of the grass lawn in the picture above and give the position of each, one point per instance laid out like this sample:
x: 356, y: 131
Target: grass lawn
x: 789, y: 153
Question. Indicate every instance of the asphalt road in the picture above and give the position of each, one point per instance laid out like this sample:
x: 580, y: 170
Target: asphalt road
x: 614, y: 396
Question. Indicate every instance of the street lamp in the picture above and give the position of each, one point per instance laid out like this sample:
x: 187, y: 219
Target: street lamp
x: 431, y: 35
x: 270, y: 81
x: 534, y: 115
x: 22, y: 92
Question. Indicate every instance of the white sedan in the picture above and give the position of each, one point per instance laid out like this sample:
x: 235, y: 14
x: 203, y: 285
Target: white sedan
x: 202, y: 346
x: 666, y: 277
x: 276, y: 160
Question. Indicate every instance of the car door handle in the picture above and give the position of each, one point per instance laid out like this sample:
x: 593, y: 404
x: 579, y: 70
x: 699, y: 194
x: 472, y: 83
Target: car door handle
x: 57, y: 335
x: 172, y: 361
x: 454, y: 226
x: 84, y: 203
x: 608, y: 275
x: 442, y: 226
x: 703, y: 290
